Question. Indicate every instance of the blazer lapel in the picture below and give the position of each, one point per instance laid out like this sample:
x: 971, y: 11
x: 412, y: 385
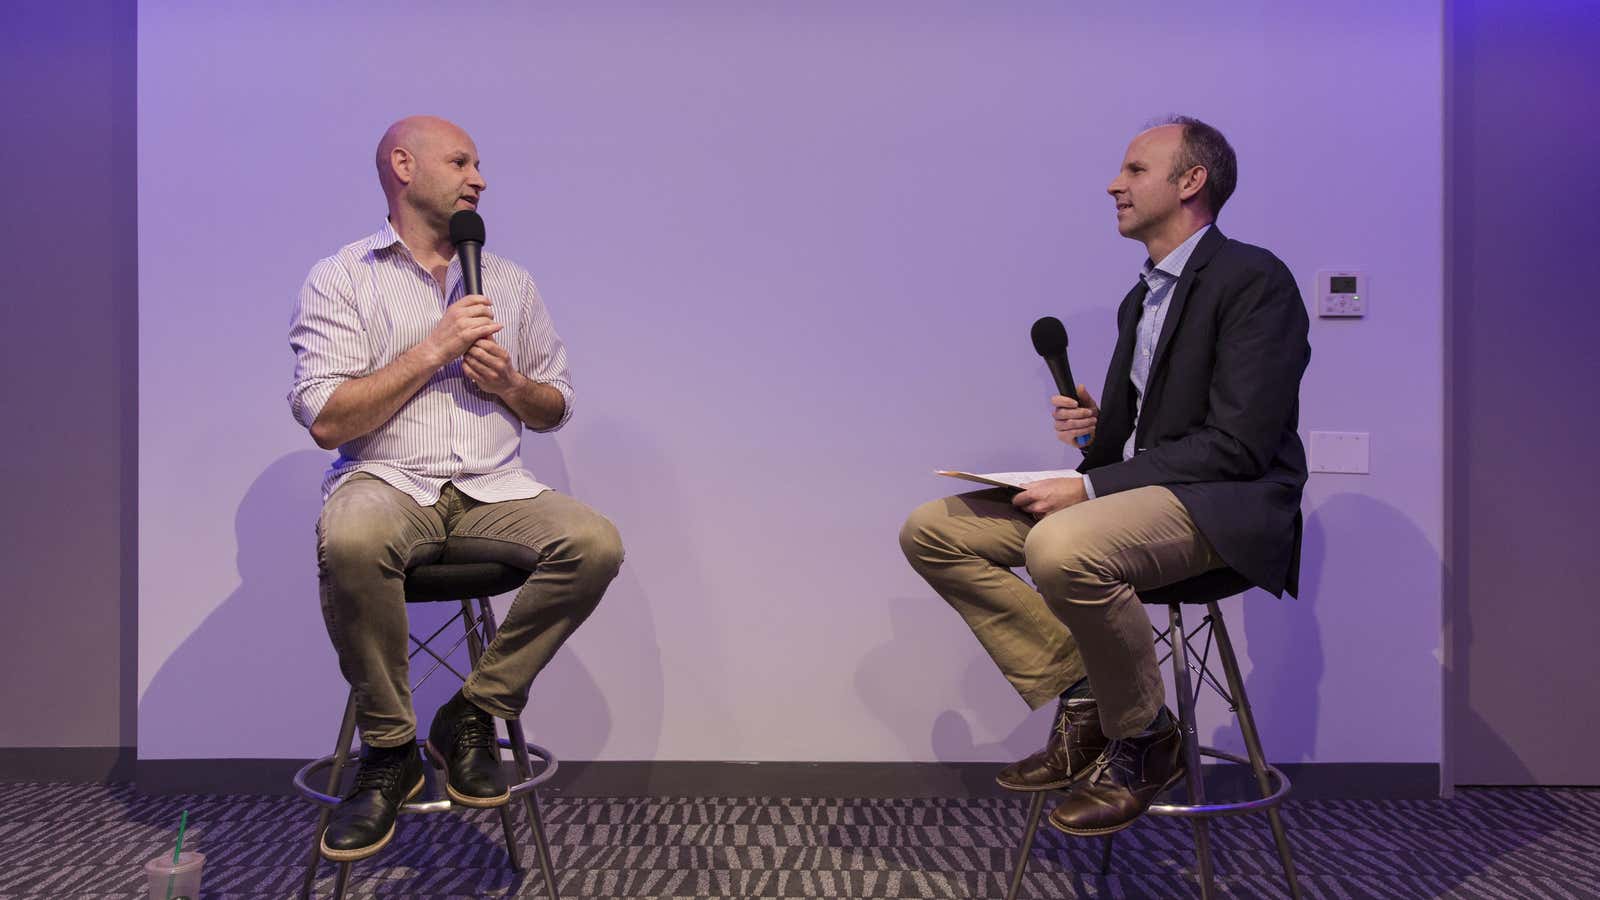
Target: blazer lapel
x: 1207, y: 248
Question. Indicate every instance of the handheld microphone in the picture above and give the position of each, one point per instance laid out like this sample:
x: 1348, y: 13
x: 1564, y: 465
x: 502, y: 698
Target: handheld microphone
x: 466, y: 232
x: 1050, y: 341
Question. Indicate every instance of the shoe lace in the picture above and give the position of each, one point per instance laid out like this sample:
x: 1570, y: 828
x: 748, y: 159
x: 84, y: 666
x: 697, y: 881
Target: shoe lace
x: 380, y: 775
x: 1068, y: 718
x: 1113, y: 760
x: 476, y: 733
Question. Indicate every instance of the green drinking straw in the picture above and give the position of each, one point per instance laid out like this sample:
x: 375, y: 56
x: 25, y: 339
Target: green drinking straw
x: 183, y: 825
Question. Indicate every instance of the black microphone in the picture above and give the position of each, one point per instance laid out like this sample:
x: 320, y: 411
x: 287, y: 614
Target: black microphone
x: 1050, y: 341
x: 466, y: 232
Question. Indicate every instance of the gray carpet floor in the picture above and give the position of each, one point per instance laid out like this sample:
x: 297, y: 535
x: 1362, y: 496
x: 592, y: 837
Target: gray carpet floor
x: 78, y: 840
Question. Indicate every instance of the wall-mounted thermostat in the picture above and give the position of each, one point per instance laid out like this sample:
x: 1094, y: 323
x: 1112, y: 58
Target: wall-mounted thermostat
x: 1341, y: 294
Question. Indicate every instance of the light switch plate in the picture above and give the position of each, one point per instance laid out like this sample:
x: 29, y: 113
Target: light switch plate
x: 1343, y: 452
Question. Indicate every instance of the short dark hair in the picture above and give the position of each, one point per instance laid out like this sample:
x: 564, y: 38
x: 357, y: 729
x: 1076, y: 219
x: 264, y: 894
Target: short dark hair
x: 1205, y: 146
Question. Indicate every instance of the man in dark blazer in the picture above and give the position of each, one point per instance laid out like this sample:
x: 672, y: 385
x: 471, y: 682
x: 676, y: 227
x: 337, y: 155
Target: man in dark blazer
x: 1193, y: 463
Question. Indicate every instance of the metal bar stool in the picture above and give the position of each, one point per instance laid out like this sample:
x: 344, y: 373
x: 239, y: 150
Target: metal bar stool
x: 1206, y: 589
x: 427, y: 584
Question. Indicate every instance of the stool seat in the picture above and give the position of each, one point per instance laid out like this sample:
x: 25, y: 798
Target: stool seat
x: 1207, y: 587
x: 452, y: 581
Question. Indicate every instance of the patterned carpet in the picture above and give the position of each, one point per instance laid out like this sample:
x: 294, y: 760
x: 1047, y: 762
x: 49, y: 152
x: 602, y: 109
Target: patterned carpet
x: 75, y: 840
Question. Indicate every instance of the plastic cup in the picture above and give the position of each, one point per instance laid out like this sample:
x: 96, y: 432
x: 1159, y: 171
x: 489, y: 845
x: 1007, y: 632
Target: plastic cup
x: 175, y: 882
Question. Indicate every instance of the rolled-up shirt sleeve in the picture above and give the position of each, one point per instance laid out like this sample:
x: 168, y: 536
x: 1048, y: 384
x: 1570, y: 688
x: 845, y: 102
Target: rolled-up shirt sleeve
x: 542, y: 355
x: 330, y: 346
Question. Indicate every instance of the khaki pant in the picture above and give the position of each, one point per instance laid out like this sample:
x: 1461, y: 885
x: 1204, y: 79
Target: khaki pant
x: 1085, y: 618
x: 370, y: 533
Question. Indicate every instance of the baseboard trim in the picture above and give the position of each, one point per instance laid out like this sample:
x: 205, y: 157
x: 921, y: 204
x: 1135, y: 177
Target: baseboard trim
x: 890, y: 780
x: 71, y: 764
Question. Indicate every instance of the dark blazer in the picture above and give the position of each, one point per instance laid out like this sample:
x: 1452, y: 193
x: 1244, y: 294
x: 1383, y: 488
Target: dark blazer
x: 1222, y: 405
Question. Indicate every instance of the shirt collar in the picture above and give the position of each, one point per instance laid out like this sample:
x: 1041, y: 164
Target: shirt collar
x: 385, y: 238
x: 1172, y: 265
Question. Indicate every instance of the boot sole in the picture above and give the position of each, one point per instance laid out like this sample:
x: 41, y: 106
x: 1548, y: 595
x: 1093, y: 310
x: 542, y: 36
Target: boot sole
x: 455, y: 795
x: 477, y: 802
x: 1035, y: 788
x: 1098, y: 832
x: 360, y: 853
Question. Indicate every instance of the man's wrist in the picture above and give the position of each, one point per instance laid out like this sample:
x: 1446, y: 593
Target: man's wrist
x: 427, y: 358
x: 520, y: 384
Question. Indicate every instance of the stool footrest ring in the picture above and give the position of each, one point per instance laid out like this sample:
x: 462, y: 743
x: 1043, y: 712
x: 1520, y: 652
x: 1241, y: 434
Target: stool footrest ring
x: 303, y: 787
x: 1280, y: 791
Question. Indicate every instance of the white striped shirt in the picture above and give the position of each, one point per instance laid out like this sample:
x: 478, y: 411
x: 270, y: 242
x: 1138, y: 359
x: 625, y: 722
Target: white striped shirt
x: 372, y: 301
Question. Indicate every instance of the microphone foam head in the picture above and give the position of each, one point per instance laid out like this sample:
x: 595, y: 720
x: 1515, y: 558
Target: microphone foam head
x: 1049, y: 336
x: 466, y: 225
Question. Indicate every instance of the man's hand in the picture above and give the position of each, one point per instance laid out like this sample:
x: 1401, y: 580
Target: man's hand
x: 466, y: 322
x: 1041, y: 498
x: 1075, y: 417
x: 488, y: 365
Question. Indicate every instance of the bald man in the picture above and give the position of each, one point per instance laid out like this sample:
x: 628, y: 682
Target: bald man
x: 425, y: 391
x: 1192, y: 464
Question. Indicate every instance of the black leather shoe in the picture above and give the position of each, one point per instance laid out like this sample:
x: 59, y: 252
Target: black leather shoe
x: 461, y: 741
x: 363, y: 822
x: 1075, y: 741
x: 1123, y: 782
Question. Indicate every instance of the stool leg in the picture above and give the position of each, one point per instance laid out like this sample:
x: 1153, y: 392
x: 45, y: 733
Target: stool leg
x: 519, y: 751
x: 475, y: 645
x: 541, y: 846
x: 1252, y: 743
x: 342, y: 882
x: 1191, y: 749
x: 347, y: 730
x: 508, y: 825
x: 1035, y: 813
x: 1105, y: 855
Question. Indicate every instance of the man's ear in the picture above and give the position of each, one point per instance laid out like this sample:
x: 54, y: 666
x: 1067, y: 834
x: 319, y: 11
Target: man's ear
x: 1192, y: 182
x: 403, y: 164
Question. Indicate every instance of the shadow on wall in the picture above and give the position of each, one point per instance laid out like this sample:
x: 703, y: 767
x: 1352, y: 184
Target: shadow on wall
x: 568, y: 710
x: 1284, y: 636
x: 927, y: 707
x: 1284, y: 644
x: 257, y: 678
x: 931, y: 684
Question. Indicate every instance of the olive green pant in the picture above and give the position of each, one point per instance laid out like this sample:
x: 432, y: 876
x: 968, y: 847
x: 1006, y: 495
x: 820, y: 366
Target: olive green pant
x: 370, y: 533
x: 1088, y: 561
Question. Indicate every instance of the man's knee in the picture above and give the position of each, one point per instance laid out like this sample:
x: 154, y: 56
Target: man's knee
x: 1061, y: 560
x: 347, y: 539
x: 597, y: 546
x: 919, y: 536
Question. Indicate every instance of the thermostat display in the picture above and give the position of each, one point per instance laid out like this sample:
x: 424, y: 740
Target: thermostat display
x: 1341, y: 295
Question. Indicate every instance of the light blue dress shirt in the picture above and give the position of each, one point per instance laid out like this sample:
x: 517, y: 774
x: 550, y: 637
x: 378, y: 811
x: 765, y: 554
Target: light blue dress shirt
x: 1159, y: 279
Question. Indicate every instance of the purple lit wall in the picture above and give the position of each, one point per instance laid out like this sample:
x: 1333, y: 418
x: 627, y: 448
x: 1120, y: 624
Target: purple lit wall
x: 69, y: 320
x: 794, y: 252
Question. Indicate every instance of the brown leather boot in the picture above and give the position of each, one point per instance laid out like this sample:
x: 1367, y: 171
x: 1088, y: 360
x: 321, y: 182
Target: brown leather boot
x: 1075, y: 742
x: 1123, y: 782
